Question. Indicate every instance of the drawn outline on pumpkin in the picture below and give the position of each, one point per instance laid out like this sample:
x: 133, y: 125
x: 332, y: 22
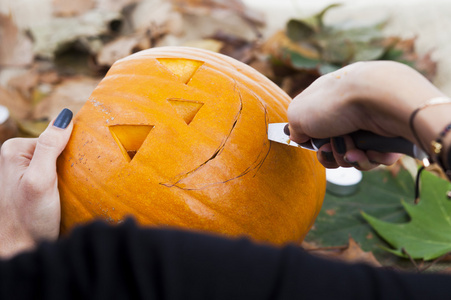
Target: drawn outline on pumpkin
x: 254, y: 166
x: 179, y: 181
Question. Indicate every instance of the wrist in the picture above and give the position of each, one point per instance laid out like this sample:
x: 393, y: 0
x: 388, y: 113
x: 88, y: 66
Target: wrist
x: 432, y: 127
x: 11, y: 245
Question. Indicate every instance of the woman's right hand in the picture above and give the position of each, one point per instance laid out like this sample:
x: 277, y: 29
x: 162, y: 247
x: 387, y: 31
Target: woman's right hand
x: 377, y: 96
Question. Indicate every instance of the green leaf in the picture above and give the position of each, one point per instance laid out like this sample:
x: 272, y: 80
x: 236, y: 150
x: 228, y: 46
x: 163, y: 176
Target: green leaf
x: 297, y: 30
x: 328, y: 68
x: 380, y: 194
x: 299, y: 61
x: 316, y: 21
x: 428, y: 234
x: 346, y: 45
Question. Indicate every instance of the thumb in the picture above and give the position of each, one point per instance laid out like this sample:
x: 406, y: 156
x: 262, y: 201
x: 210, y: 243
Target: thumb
x: 50, y: 144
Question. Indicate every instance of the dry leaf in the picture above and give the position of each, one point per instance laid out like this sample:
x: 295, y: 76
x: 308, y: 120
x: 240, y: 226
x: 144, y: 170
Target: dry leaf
x: 24, y: 83
x: 19, y: 107
x: 16, y: 48
x: 71, y: 93
x: 352, y: 253
x: 69, y: 8
x: 279, y: 42
x: 121, y: 47
x: 114, y: 5
x: 207, y: 44
x: 205, y: 18
x: 58, y: 33
x: 218, y: 8
x: 149, y: 14
x: 8, y: 128
x: 355, y: 254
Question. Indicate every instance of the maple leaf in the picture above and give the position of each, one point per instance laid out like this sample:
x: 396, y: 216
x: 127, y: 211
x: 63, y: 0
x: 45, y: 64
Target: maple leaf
x: 428, y: 234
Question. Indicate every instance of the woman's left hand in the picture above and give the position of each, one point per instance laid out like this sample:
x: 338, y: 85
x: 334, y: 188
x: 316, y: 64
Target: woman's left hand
x: 29, y: 197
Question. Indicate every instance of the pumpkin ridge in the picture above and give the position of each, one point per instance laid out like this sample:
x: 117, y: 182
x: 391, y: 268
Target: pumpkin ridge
x: 227, y: 177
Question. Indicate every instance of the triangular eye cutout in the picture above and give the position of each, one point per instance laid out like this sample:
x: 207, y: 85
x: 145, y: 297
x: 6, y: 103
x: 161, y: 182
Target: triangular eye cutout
x: 187, y: 109
x: 130, y: 138
x: 183, y: 68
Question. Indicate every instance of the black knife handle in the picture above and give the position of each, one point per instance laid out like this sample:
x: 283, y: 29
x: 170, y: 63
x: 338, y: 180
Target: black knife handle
x: 366, y: 140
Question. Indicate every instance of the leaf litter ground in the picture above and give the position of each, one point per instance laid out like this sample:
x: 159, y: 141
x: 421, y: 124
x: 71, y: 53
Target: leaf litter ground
x: 381, y: 195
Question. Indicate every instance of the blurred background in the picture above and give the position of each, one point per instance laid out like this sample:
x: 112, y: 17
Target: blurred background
x: 54, y: 52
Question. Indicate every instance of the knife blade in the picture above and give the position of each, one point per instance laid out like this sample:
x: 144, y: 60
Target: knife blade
x: 363, y: 140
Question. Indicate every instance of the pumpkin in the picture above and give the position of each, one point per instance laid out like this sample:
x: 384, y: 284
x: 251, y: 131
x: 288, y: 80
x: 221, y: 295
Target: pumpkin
x: 177, y: 136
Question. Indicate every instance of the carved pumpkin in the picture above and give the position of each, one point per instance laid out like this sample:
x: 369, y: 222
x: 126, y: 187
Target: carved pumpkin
x: 177, y: 136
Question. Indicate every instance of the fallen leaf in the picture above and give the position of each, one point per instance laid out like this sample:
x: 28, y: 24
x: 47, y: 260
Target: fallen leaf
x: 155, y: 16
x: 69, y: 8
x: 16, y: 48
x: 351, y: 253
x: 218, y: 7
x: 71, y: 93
x: 207, y: 44
x: 379, y: 194
x: 427, y: 235
x: 204, y: 19
x: 331, y: 212
x: 24, y: 83
x: 8, y: 128
x: 19, y: 107
x: 279, y: 42
x: 32, y: 128
x: 239, y: 48
x: 58, y: 33
x: 120, y: 48
x: 355, y: 254
x: 114, y: 5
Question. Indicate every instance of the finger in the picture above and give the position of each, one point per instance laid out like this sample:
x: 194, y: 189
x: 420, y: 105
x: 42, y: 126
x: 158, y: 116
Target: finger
x: 383, y: 158
x: 18, y: 148
x: 370, y: 159
x: 295, y: 135
x: 340, y: 145
x: 359, y: 159
x: 326, y: 157
x: 49, y: 146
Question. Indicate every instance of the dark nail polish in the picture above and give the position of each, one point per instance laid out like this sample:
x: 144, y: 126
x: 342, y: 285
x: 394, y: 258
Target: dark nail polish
x: 339, y: 144
x: 328, y: 156
x: 286, y: 129
x: 63, y: 119
x: 352, y: 163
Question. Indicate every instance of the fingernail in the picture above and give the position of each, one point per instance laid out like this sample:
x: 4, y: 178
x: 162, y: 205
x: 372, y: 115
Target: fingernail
x: 286, y: 130
x: 339, y: 144
x: 352, y: 163
x: 63, y: 119
x: 328, y: 156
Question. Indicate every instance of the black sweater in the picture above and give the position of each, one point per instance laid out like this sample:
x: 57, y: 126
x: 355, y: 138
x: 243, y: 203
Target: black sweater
x: 99, y: 261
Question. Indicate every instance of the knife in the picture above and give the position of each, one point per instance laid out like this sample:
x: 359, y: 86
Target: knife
x: 363, y: 140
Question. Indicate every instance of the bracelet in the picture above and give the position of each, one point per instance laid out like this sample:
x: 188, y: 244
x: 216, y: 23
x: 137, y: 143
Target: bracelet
x: 437, y: 144
x: 437, y: 147
x: 430, y: 102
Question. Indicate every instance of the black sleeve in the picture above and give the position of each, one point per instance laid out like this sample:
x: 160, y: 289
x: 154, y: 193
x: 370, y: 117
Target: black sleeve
x: 127, y: 262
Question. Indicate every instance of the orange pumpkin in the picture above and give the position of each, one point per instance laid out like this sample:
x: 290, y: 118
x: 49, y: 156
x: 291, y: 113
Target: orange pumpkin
x: 177, y: 136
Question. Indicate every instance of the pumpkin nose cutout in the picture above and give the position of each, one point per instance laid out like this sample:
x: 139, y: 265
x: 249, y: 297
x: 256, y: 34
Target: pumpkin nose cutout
x: 186, y: 109
x: 130, y: 138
